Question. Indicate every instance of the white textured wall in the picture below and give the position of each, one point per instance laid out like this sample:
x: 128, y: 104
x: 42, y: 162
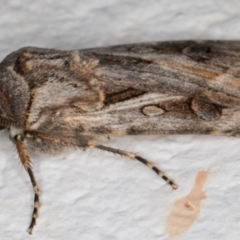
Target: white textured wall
x: 94, y: 195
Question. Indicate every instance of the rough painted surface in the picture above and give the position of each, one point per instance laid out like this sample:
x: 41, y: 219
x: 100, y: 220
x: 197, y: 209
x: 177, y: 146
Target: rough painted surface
x: 96, y: 195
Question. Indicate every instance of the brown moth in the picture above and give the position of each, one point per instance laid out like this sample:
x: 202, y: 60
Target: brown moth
x: 51, y: 99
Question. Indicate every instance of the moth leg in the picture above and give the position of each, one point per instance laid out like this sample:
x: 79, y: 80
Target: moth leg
x: 26, y: 162
x: 140, y: 159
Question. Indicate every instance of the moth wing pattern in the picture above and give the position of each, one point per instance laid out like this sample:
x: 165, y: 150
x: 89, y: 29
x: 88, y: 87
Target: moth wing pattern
x: 181, y: 87
x: 52, y: 99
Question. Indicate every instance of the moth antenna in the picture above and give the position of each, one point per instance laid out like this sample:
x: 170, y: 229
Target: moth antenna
x: 26, y: 162
x: 140, y: 159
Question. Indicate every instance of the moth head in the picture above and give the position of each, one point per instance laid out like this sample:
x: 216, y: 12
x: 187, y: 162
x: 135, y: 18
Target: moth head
x: 14, y: 93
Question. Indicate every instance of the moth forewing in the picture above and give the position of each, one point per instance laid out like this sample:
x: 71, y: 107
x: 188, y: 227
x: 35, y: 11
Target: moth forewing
x: 51, y: 100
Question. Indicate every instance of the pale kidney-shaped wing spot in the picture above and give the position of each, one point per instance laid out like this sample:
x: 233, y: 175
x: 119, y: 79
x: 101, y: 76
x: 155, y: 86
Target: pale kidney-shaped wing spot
x: 152, y: 111
x: 205, y: 110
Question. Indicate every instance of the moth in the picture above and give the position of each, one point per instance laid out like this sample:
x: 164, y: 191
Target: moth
x: 51, y: 100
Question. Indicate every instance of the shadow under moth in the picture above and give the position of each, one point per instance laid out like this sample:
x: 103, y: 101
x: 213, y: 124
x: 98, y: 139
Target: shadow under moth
x: 51, y: 99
